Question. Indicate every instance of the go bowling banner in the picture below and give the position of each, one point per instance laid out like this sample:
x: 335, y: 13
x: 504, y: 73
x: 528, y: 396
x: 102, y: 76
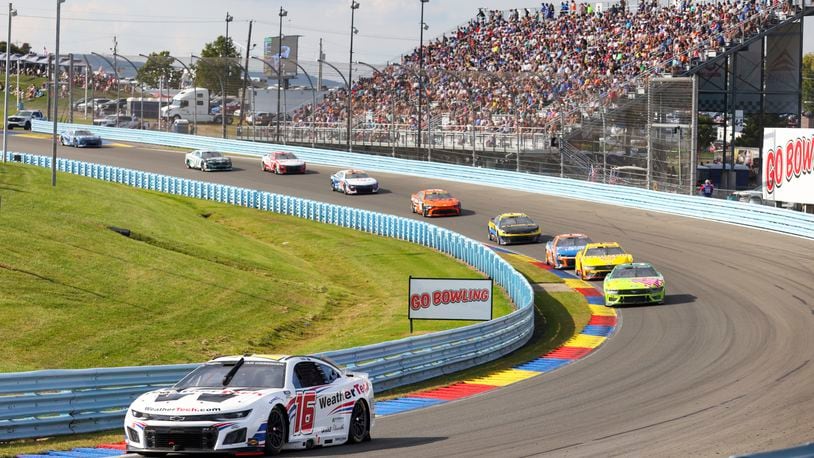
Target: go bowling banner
x: 788, y: 172
x: 450, y: 299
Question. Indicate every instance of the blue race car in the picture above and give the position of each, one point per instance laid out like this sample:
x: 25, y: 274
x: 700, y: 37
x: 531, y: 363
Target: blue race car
x: 80, y: 138
x: 562, y: 249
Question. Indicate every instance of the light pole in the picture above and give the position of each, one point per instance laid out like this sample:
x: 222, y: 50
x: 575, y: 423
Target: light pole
x: 194, y: 93
x: 271, y: 67
x: 56, y: 101
x: 283, y: 13
x: 11, y: 13
x: 422, y: 27
x: 141, y: 87
x: 249, y: 47
x: 313, y: 102
x: 392, y: 106
x: 226, y: 72
x: 347, y: 83
x: 354, y: 5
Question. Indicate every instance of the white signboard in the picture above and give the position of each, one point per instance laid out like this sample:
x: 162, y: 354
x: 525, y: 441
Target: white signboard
x: 788, y: 172
x: 450, y: 299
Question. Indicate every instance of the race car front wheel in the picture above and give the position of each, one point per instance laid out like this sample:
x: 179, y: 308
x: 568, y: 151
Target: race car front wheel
x: 276, y: 432
x: 359, y: 429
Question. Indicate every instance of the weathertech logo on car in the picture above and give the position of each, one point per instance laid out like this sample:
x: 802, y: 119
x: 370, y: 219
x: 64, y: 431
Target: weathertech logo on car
x: 182, y: 409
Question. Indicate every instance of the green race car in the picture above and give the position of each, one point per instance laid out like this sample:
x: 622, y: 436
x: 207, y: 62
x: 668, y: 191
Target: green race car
x: 634, y: 283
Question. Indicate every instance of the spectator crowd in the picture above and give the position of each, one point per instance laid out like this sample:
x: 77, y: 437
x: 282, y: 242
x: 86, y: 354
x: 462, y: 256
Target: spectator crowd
x: 530, y: 68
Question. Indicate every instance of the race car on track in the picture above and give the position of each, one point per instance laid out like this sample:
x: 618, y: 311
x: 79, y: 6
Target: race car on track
x: 354, y: 182
x: 513, y: 228
x: 282, y: 162
x: 563, y: 248
x: 636, y: 283
x: 79, y: 138
x: 435, y: 202
x: 597, y: 259
x: 207, y: 161
x: 253, y: 405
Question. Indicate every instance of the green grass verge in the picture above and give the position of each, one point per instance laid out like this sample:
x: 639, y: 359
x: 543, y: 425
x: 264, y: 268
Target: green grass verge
x: 533, y: 273
x: 195, y: 279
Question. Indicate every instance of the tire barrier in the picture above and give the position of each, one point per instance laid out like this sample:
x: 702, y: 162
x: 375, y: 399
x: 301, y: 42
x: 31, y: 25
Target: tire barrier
x: 55, y: 402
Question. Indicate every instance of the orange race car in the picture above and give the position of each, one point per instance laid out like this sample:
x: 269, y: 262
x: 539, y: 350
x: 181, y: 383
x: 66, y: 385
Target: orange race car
x: 435, y: 202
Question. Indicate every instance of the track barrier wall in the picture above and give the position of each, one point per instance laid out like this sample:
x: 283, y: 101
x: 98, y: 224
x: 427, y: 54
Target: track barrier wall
x: 57, y: 402
x: 739, y: 213
x: 38, y: 404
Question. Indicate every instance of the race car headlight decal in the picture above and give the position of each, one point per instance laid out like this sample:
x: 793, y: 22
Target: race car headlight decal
x: 138, y: 414
x: 612, y: 292
x: 231, y: 415
x: 133, y: 435
x: 235, y: 437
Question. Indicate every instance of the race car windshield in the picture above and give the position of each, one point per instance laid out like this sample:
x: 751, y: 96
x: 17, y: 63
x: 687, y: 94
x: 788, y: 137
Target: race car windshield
x: 609, y: 251
x: 286, y: 156
x: 83, y: 132
x: 252, y: 374
x: 574, y: 241
x: 438, y: 196
x: 357, y: 175
x: 634, y: 272
x: 516, y: 221
x: 210, y: 154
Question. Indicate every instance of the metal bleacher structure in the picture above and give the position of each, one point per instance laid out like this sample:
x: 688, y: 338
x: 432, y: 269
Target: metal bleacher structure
x: 654, y: 126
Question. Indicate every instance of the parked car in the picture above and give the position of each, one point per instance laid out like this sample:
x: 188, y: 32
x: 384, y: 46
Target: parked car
x: 513, y: 228
x: 261, y: 118
x: 354, y: 182
x: 23, y: 119
x: 435, y: 202
x: 253, y: 405
x: 207, y: 161
x: 112, y: 120
x: 91, y: 104
x: 112, y: 105
x: 282, y: 162
x: 752, y: 196
x: 80, y: 138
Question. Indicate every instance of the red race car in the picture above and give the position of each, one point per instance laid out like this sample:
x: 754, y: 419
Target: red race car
x: 281, y: 162
x: 435, y: 202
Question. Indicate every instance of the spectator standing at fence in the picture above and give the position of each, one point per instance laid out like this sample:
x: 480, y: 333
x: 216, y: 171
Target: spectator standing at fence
x: 707, y: 188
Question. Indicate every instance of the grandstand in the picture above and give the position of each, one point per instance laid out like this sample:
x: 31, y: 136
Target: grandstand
x: 544, y: 90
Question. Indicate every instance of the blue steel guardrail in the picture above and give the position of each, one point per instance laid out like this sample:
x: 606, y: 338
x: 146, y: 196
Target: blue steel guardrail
x: 55, y: 402
x: 739, y: 213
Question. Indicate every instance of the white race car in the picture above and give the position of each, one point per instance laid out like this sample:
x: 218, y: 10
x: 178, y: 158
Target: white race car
x: 354, y: 182
x: 207, y: 160
x: 254, y: 404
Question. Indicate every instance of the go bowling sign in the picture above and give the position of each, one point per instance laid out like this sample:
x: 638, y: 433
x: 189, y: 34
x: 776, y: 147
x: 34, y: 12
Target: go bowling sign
x: 788, y: 165
x: 450, y: 299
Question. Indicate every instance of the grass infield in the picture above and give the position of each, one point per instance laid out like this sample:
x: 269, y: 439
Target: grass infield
x: 194, y: 279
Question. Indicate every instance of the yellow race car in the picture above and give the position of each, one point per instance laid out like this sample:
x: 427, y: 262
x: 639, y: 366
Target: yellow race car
x: 597, y: 259
x: 513, y: 228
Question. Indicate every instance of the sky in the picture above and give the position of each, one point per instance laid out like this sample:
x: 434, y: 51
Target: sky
x: 387, y: 28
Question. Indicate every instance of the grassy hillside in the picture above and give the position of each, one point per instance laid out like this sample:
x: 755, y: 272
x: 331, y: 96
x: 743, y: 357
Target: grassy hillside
x: 195, y: 279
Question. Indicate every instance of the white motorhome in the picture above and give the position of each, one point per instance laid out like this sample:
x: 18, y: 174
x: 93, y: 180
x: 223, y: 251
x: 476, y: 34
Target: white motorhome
x: 185, y: 106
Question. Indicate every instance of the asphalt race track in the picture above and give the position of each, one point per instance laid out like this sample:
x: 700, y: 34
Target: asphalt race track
x: 724, y: 367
